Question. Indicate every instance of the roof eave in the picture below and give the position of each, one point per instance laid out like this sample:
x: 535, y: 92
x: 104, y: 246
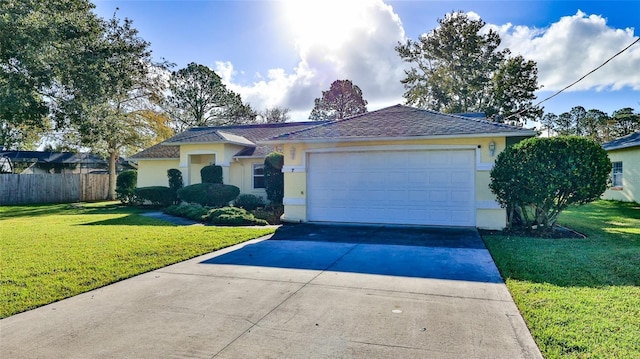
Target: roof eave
x: 524, y: 133
x: 153, y: 158
x: 207, y: 142
x: 623, y: 147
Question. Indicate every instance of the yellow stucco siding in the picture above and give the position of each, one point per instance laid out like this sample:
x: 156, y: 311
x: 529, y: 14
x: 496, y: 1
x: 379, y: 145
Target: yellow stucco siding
x: 241, y: 175
x: 154, y: 172
x: 630, y: 190
x: 488, y: 213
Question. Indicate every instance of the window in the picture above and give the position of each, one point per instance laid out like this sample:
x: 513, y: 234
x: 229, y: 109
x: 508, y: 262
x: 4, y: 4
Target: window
x: 617, y: 174
x: 258, y: 175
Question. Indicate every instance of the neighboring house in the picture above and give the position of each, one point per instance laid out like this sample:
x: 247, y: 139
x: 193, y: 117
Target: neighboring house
x: 624, y: 154
x: 34, y: 162
x: 397, y: 165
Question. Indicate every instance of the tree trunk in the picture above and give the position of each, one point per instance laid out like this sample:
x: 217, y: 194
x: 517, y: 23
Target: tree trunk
x: 113, y: 157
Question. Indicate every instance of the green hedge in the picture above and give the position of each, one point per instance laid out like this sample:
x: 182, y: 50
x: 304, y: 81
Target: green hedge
x: 209, y: 194
x: 211, y: 174
x: 249, y: 202
x: 157, y: 195
x: 188, y: 210
x: 125, y: 187
x: 233, y: 216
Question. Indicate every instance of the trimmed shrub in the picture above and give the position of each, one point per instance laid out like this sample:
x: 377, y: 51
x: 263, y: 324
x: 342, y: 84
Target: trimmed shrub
x: 209, y: 194
x: 274, y: 178
x: 157, y: 195
x: 233, y: 216
x: 539, y: 177
x: 175, y: 181
x: 249, y: 202
x: 271, y: 214
x: 125, y: 187
x: 192, y: 211
x: 211, y: 174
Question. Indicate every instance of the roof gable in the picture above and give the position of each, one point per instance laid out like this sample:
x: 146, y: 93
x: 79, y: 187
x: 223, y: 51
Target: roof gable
x: 630, y: 140
x: 401, y: 121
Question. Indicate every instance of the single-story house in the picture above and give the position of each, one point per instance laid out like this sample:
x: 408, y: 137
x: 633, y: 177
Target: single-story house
x: 624, y: 154
x: 396, y: 165
x: 36, y: 162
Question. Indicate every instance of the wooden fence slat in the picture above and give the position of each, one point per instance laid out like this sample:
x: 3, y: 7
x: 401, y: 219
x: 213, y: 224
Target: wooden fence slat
x: 52, y: 188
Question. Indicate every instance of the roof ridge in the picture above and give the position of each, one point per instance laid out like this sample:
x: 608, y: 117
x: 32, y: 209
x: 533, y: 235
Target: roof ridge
x: 475, y: 119
x: 330, y: 122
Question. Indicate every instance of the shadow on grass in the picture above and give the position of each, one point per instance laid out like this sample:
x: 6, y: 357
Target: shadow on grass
x: 609, y: 256
x: 63, y: 209
x: 131, y: 220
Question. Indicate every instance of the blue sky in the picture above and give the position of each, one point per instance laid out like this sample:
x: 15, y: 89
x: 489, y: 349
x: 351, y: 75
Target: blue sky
x: 285, y: 53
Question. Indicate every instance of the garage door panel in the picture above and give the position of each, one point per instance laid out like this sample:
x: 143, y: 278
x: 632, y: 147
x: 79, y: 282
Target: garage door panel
x: 403, y: 187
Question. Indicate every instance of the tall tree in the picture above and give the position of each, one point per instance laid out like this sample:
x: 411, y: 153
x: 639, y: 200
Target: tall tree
x: 199, y: 98
x: 343, y: 99
x: 45, y: 64
x: 624, y: 121
x: 457, y: 67
x: 120, y: 119
x: 275, y: 115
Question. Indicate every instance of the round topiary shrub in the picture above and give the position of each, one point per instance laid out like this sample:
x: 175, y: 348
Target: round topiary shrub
x: 125, y: 186
x: 211, y: 174
x: 539, y: 177
x: 156, y: 195
x: 209, y: 194
x: 249, y: 202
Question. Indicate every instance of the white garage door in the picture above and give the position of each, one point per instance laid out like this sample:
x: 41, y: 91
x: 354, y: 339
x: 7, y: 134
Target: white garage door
x: 401, y: 187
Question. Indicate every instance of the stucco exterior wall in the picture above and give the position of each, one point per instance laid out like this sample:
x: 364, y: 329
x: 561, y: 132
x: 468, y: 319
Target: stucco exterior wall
x: 241, y: 175
x: 630, y: 190
x: 489, y: 215
x: 154, y: 172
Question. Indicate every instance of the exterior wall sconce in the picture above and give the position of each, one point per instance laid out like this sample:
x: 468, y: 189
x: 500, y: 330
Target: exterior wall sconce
x: 292, y: 152
x: 492, y: 148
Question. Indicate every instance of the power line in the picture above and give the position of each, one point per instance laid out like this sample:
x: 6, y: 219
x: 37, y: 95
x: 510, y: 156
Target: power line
x: 580, y: 79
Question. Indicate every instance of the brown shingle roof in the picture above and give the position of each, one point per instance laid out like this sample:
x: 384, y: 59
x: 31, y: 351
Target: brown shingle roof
x: 401, y: 121
x: 247, y: 135
x: 158, y: 151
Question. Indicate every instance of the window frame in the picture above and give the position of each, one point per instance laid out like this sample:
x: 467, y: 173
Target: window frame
x: 254, y: 167
x: 617, y: 171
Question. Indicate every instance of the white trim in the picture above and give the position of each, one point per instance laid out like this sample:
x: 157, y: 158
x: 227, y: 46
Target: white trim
x: 155, y: 159
x: 392, y: 148
x: 523, y: 133
x: 487, y: 205
x: 482, y: 166
x: 223, y: 164
x: 296, y: 169
x: 398, y: 148
x: 253, y: 176
x: 287, y: 201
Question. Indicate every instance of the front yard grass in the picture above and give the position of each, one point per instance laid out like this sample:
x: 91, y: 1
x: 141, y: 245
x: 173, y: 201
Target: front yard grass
x: 51, y: 252
x: 579, y: 297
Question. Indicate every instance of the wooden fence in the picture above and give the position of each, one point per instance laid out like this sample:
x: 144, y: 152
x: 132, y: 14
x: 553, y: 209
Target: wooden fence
x: 52, y: 188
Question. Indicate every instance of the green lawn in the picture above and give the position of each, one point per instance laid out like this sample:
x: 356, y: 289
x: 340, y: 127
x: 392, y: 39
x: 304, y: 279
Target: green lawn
x: 51, y: 252
x: 579, y: 297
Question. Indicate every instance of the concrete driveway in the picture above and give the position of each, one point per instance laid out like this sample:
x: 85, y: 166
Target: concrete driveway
x: 311, y: 291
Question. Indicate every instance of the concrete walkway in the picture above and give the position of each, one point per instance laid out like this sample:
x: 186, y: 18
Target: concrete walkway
x: 310, y: 292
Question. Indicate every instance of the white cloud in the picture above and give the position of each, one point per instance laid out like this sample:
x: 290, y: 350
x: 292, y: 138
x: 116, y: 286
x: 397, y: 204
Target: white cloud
x: 334, y: 40
x: 573, y: 46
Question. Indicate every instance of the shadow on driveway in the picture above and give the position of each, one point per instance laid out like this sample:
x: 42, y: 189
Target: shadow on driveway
x: 419, y: 252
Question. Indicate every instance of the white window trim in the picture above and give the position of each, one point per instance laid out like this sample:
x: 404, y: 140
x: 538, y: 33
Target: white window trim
x: 616, y: 177
x: 253, y: 175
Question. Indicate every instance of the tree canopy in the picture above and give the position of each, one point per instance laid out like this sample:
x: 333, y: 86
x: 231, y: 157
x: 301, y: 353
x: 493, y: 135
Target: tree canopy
x: 46, y: 64
x: 343, y: 99
x: 275, y: 115
x: 199, y: 98
x: 458, y: 68
x: 594, y: 124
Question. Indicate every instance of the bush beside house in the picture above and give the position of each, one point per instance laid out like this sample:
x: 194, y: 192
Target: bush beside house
x: 539, y: 177
x: 125, y: 187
